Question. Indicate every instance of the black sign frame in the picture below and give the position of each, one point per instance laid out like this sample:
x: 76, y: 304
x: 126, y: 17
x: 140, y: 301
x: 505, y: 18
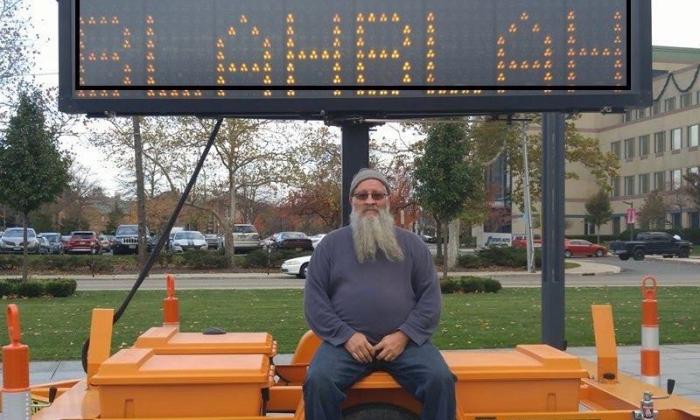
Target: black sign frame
x: 638, y: 92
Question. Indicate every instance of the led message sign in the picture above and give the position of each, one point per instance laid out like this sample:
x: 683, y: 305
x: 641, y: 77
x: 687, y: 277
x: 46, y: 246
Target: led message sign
x: 392, y: 58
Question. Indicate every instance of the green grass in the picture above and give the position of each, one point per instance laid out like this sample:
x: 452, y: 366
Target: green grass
x: 696, y: 250
x: 56, y: 328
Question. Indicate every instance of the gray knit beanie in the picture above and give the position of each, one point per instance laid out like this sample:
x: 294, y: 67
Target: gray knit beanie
x: 365, y: 174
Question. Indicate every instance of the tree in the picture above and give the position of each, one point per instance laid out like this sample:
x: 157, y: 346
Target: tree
x: 692, y: 188
x: 445, y: 179
x: 15, y: 53
x: 599, y: 211
x: 653, y: 211
x: 496, y: 137
x: 32, y: 169
x: 114, y: 218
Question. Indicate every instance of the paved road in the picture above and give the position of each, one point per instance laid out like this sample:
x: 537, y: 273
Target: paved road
x: 667, y: 272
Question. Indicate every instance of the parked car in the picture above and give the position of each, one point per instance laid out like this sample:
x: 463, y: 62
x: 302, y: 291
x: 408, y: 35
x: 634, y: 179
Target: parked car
x: 582, y: 248
x: 126, y: 240
x: 105, y: 242
x: 44, y: 246
x: 13, y: 241
x: 651, y: 243
x: 83, y: 241
x: 315, y: 239
x: 55, y: 242
x: 214, y: 241
x: 185, y: 240
x: 520, y: 241
x: 292, y: 240
x: 245, y: 237
x: 297, y: 266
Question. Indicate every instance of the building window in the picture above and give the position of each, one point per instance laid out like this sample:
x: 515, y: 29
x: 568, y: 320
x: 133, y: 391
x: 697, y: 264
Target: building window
x: 694, y: 220
x: 660, y: 142
x: 616, y: 149
x: 670, y: 104
x: 686, y: 100
x: 629, y: 148
x: 676, y: 142
x: 656, y: 108
x: 616, y: 186
x: 643, y: 145
x: 676, y: 178
x: 694, y: 135
x: 616, y: 225
x: 660, y: 181
x: 644, y: 183
x: 629, y: 185
x: 643, y: 112
x: 694, y: 170
x: 628, y: 116
x: 676, y: 220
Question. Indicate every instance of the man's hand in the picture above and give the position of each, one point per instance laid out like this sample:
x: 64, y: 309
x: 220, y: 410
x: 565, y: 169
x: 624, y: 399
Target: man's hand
x: 391, y: 346
x: 360, y: 349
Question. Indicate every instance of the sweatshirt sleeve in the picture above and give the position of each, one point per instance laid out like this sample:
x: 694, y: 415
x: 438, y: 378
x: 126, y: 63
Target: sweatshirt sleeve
x: 318, y: 309
x: 425, y: 316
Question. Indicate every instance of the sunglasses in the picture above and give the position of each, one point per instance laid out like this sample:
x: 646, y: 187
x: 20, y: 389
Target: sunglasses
x: 376, y: 196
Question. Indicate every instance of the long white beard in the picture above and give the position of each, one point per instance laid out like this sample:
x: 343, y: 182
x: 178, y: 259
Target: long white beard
x: 372, y: 233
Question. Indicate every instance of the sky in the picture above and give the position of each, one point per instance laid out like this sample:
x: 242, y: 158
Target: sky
x: 674, y: 23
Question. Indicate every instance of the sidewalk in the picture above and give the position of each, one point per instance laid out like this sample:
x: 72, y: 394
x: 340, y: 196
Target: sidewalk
x: 680, y: 362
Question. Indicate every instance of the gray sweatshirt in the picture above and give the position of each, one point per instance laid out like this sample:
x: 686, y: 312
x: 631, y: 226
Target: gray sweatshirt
x: 375, y: 298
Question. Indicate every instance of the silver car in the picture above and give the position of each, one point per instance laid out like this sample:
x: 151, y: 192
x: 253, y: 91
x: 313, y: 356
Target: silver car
x: 13, y: 241
x: 185, y: 240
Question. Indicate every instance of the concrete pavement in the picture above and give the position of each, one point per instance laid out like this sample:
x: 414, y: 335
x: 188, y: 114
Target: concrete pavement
x: 680, y: 362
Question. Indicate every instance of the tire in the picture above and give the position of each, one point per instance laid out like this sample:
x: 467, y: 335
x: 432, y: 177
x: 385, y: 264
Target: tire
x: 624, y: 257
x: 638, y: 255
x: 378, y: 411
x: 684, y: 253
x: 568, y: 254
x: 599, y: 253
x: 303, y: 271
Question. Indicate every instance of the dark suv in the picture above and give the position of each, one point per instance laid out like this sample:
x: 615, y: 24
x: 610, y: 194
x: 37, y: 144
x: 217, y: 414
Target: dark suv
x: 126, y: 240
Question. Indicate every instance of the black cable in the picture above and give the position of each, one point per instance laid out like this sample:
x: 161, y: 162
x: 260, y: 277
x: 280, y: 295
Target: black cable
x: 161, y: 241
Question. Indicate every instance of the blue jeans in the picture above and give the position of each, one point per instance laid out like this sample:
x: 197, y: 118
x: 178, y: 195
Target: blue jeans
x: 420, y: 370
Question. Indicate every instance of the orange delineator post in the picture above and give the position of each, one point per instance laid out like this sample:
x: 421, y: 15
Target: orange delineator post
x: 650, y: 355
x: 171, y: 306
x: 15, y: 373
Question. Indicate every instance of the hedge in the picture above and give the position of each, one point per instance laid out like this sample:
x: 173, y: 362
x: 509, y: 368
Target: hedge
x: 37, y: 288
x: 498, y: 257
x: 470, y: 284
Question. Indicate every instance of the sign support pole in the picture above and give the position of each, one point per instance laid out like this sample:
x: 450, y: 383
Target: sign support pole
x: 553, y: 230
x: 355, y: 156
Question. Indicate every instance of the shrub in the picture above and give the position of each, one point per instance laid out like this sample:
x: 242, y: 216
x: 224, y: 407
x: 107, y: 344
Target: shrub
x: 8, y: 287
x: 202, y: 260
x: 30, y: 289
x: 10, y: 262
x: 60, y: 287
x: 259, y: 257
x: 469, y: 261
x: 471, y: 285
x: 491, y: 285
x: 450, y: 285
x: 503, y: 256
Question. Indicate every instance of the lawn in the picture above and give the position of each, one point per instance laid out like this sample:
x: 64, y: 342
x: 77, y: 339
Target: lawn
x: 56, y: 328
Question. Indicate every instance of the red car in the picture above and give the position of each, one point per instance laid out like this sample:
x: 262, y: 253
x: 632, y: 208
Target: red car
x: 579, y: 247
x: 83, y: 241
x: 520, y: 241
